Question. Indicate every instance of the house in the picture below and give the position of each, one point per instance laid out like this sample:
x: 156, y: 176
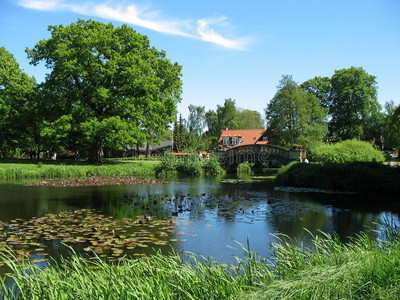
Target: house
x: 241, y: 137
x: 148, y: 150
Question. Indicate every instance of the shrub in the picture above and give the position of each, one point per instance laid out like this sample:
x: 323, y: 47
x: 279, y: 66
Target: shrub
x: 212, y: 166
x: 347, y: 151
x: 245, y: 167
x: 187, y: 165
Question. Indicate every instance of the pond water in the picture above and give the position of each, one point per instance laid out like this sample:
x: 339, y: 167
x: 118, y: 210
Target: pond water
x: 200, y: 215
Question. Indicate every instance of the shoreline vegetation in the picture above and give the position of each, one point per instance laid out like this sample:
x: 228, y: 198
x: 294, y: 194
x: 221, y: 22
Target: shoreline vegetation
x: 329, y: 269
x: 166, y: 166
x: 95, y: 181
x: 363, y: 177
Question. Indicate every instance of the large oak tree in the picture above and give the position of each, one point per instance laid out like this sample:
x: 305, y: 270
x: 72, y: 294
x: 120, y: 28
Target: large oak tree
x: 107, y: 86
x: 17, y: 89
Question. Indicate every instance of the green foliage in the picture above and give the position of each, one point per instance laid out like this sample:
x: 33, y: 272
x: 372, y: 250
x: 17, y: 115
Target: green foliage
x: 320, y: 87
x: 245, y: 167
x: 347, y: 151
x: 296, y: 116
x: 357, y: 176
x: 355, y: 108
x: 196, y: 120
x: 393, y: 138
x: 16, y: 90
x: 66, y: 169
x: 188, y: 165
x: 212, y: 166
x: 180, y: 136
x: 110, y: 82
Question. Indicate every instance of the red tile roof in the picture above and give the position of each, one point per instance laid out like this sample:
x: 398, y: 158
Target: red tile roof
x: 248, y: 136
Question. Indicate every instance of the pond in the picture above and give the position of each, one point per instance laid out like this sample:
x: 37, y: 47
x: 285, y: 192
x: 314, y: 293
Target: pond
x: 199, y: 215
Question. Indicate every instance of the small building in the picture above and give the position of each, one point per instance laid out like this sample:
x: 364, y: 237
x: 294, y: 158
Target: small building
x: 148, y: 150
x: 240, y: 137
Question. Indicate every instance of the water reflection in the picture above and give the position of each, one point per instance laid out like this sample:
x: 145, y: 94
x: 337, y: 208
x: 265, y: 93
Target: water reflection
x: 210, y: 218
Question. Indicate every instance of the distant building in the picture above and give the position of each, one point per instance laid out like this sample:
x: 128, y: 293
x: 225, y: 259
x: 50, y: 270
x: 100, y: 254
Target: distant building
x: 240, y: 137
x: 149, y: 150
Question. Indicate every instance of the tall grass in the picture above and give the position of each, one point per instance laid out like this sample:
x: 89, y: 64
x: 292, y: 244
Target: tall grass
x: 362, y: 269
x: 59, y: 169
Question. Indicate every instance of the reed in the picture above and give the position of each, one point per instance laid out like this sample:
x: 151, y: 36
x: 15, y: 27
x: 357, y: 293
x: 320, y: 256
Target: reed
x: 361, y: 269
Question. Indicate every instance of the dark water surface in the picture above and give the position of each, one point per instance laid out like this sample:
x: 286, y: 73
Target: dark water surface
x: 210, y: 218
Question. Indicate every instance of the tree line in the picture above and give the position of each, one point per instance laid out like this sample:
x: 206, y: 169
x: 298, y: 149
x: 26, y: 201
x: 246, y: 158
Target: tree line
x: 318, y: 110
x: 107, y: 88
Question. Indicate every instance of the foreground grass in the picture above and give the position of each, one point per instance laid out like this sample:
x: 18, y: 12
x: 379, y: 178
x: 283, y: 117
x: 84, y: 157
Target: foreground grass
x: 70, y: 168
x: 363, y: 269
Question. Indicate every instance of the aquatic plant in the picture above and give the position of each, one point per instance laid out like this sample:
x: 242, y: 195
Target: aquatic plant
x: 97, y: 233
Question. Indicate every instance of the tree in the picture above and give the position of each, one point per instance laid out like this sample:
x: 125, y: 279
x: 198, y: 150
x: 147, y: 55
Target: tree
x: 393, y: 135
x: 180, y: 136
x: 249, y: 119
x: 17, y: 89
x: 355, y: 108
x: 109, y: 82
x: 296, y: 115
x: 320, y: 87
x: 196, y: 120
x: 226, y: 116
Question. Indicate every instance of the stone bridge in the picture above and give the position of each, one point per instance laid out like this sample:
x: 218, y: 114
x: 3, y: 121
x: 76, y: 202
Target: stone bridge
x: 259, y: 155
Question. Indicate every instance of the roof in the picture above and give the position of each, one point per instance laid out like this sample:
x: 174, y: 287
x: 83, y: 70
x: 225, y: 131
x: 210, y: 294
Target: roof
x: 249, y: 136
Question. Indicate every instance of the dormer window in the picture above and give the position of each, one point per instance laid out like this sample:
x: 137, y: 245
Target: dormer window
x: 234, y: 141
x: 230, y: 141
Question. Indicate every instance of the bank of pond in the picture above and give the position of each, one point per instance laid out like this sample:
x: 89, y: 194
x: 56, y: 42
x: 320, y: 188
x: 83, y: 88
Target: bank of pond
x: 364, y: 177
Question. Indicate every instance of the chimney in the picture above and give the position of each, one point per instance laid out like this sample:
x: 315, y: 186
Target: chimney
x: 226, y: 128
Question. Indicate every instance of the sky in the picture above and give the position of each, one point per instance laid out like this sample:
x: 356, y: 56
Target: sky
x: 232, y: 49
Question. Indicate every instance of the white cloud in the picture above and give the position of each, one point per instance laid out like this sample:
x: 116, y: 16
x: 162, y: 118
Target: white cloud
x: 49, y: 5
x: 208, y: 34
x: 135, y: 15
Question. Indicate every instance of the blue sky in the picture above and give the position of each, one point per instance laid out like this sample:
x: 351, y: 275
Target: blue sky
x: 230, y: 48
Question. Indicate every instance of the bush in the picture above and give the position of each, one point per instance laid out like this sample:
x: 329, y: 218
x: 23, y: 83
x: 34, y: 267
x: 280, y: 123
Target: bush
x: 212, y: 166
x: 245, y: 167
x: 187, y: 165
x: 347, y: 151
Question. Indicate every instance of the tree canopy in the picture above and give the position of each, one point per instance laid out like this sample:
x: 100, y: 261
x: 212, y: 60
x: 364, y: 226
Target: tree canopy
x: 108, y: 83
x: 16, y: 90
x: 355, y: 108
x: 295, y: 115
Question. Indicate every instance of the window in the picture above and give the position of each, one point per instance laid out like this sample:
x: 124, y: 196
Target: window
x: 225, y: 141
x: 234, y: 141
x: 265, y: 139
